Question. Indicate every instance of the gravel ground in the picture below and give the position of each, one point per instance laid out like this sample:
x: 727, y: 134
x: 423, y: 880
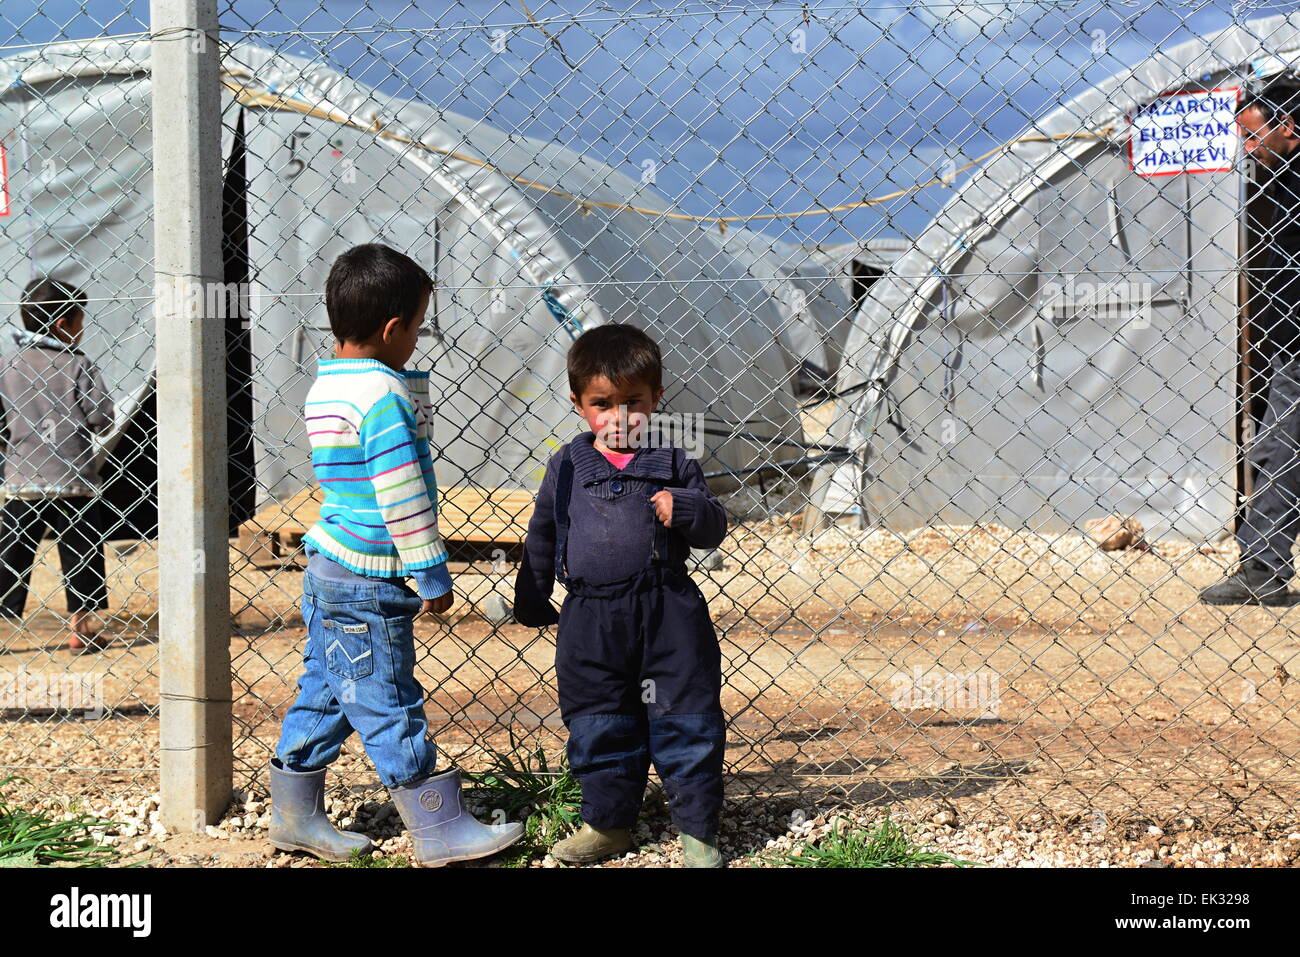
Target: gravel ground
x: 752, y: 833
x: 1120, y: 697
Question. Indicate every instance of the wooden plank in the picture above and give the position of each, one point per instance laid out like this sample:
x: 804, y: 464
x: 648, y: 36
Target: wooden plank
x: 260, y: 547
x: 465, y: 514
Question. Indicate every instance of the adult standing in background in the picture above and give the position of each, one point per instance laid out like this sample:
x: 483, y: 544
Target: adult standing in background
x: 1269, y: 119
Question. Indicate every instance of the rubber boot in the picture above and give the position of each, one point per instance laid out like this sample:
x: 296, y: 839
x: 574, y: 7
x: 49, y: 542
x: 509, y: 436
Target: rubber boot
x: 592, y: 844
x: 298, y: 821
x: 1254, y: 583
x: 700, y: 852
x: 442, y: 831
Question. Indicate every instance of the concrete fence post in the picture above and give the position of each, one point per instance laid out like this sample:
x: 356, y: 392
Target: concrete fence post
x: 194, y: 573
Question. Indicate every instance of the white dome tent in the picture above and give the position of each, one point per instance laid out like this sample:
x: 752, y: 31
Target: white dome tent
x: 857, y: 265
x: 529, y: 243
x: 1061, y: 342
x: 815, y: 307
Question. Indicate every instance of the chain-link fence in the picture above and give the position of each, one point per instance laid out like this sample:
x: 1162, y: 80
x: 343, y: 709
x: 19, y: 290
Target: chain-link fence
x: 959, y: 291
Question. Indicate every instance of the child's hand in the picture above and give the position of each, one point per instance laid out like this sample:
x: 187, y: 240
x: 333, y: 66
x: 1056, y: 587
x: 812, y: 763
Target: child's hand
x: 437, y: 605
x: 663, y: 503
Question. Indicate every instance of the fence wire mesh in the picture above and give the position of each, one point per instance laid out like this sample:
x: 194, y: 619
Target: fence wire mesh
x: 941, y: 290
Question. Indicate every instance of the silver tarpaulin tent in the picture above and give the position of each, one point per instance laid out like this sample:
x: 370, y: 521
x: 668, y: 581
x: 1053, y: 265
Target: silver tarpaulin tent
x: 1061, y: 342
x: 529, y: 242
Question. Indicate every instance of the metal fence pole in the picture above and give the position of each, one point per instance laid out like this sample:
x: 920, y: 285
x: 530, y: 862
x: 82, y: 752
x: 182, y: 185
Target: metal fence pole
x: 194, y: 601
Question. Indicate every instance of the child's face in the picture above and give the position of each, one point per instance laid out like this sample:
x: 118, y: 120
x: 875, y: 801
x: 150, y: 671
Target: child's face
x: 611, y: 410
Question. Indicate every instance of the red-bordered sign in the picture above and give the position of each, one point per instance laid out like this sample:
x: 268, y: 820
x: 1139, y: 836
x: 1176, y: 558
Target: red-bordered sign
x: 1188, y: 131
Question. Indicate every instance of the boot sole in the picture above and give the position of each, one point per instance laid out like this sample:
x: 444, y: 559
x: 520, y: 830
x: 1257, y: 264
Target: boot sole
x: 472, y: 857
x: 591, y: 858
x: 333, y: 858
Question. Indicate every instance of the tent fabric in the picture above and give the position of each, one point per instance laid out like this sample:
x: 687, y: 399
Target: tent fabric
x: 520, y: 268
x: 977, y: 389
x: 877, y: 253
x: 815, y: 308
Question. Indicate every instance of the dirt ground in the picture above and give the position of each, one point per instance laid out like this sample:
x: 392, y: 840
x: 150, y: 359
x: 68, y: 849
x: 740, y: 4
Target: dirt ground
x: 997, y: 673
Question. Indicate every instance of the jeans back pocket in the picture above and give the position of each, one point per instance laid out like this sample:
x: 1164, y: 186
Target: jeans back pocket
x: 349, y: 652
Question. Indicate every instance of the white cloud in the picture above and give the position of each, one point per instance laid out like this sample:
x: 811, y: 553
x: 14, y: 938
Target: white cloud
x: 967, y: 19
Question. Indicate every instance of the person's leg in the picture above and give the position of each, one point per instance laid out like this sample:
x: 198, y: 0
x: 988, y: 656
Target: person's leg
x: 77, y: 525
x: 596, y: 666
x: 315, y: 726
x: 21, y: 528
x: 609, y: 754
x: 1271, y: 518
x: 314, y: 730
x: 1272, y: 515
x: 368, y: 649
x: 370, y: 663
x: 683, y: 671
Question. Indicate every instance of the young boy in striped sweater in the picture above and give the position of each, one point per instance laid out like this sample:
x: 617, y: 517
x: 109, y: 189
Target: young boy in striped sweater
x: 368, y: 419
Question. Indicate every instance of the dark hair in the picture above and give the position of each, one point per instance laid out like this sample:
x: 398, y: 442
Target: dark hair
x: 370, y: 284
x: 46, y: 301
x: 619, y: 352
x: 1278, y: 98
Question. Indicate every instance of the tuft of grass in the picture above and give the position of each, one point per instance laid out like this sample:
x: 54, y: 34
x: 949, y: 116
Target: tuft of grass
x: 365, y: 861
x: 524, y: 784
x: 32, y: 839
x: 887, y: 846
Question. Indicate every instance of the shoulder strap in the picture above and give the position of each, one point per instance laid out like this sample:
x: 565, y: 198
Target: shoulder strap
x: 563, y: 492
x: 661, y: 547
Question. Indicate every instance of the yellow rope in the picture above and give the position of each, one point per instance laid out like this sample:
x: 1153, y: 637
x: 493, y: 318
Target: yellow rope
x: 259, y: 98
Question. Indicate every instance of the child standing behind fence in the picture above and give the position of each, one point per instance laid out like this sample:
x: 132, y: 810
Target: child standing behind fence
x: 368, y: 421
x: 637, y: 660
x: 52, y: 404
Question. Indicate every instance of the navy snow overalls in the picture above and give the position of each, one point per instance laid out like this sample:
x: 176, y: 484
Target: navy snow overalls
x: 639, y: 672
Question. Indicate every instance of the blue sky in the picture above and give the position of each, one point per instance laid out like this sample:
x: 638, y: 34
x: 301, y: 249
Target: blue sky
x: 736, y: 120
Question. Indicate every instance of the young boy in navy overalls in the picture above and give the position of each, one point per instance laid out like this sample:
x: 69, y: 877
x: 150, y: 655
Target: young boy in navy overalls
x: 636, y: 657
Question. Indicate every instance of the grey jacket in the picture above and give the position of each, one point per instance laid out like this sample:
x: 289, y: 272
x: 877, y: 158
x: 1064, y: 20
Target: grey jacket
x: 52, y: 404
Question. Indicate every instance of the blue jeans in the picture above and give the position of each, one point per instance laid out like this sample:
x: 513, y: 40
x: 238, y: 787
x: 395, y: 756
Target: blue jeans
x: 360, y: 675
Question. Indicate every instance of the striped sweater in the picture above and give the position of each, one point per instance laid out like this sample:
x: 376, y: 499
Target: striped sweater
x: 369, y: 428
